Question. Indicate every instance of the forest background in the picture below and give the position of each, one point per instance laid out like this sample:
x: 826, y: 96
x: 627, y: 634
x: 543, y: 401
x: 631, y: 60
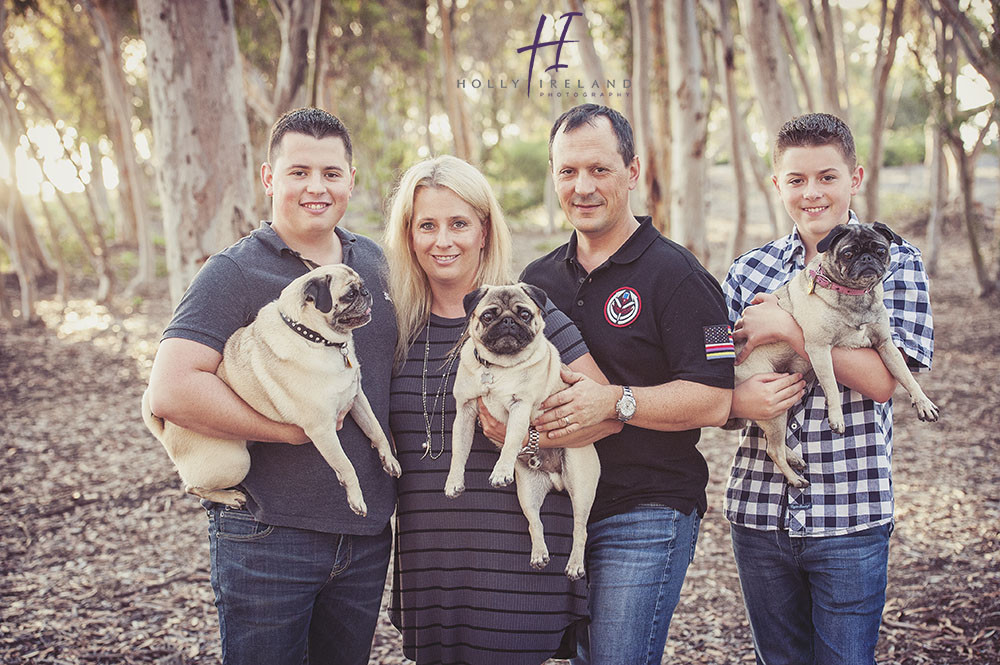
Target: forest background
x: 132, y: 134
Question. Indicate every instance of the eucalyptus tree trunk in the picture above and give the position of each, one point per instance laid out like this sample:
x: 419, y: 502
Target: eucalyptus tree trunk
x: 658, y: 179
x: 768, y: 63
x: 118, y: 108
x: 457, y: 117
x: 690, y: 128
x: 643, y: 122
x: 201, y: 132
x: 298, y: 24
x: 726, y: 48
x: 886, y: 55
x: 588, y: 53
x: 822, y: 37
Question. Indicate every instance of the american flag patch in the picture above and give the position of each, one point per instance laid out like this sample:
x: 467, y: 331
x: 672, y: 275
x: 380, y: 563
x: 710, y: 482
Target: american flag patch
x: 719, y: 342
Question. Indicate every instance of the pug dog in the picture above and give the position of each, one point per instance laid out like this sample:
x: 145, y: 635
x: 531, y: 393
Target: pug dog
x: 837, y: 300
x: 295, y: 363
x: 508, y: 362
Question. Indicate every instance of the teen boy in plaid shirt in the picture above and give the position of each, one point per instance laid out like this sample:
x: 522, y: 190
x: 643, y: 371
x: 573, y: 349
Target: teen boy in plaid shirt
x: 813, y: 561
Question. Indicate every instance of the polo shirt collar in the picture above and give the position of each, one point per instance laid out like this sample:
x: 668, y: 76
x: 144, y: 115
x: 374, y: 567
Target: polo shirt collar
x: 631, y: 250
x: 267, y: 235
x: 794, y: 247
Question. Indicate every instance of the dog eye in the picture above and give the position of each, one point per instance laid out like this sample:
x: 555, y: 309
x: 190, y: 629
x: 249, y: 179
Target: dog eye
x: 487, y: 317
x: 525, y: 315
x: 848, y: 254
x: 881, y: 251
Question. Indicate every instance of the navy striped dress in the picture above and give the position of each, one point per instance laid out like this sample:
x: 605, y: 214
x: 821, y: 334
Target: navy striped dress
x: 463, y: 591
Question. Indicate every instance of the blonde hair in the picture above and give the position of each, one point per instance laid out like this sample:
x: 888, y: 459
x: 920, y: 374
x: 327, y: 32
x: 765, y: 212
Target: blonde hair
x: 408, y: 284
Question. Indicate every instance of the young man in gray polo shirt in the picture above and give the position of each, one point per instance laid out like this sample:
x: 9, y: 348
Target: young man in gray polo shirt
x: 296, y: 570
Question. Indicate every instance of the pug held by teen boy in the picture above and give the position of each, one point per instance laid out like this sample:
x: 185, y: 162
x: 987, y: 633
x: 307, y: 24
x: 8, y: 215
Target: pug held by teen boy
x: 508, y: 362
x: 295, y: 363
x: 837, y: 300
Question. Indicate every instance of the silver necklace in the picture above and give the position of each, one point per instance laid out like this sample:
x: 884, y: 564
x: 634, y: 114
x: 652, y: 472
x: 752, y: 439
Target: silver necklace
x: 441, y: 393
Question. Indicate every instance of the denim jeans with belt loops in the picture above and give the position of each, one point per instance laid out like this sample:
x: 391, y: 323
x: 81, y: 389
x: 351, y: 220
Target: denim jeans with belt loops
x: 636, y: 563
x: 284, y: 592
x: 813, y: 600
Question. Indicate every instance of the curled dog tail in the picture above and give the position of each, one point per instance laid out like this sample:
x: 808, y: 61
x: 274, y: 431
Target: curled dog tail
x: 153, y: 422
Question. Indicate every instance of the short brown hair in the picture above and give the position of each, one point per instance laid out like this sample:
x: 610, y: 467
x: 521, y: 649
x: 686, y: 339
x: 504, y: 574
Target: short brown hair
x: 814, y: 130
x: 313, y: 122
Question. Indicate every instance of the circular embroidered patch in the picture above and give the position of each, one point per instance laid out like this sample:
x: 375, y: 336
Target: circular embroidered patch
x: 622, y: 307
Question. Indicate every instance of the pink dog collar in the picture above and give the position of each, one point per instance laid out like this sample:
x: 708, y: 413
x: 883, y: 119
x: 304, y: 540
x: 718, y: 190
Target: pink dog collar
x: 821, y: 279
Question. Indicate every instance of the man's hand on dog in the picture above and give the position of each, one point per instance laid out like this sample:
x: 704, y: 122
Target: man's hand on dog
x: 584, y: 403
x: 768, y: 395
x: 765, y: 322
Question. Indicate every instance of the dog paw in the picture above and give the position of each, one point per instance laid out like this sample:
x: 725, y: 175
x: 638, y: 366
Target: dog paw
x: 795, y: 460
x: 798, y: 481
x: 837, y: 424
x: 391, y: 466
x: 575, y: 570
x: 539, y: 559
x: 926, y: 410
x: 454, y: 488
x: 357, y: 502
x: 501, y: 478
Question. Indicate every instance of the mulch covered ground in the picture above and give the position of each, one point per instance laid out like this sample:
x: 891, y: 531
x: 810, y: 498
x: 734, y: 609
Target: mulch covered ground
x: 105, y: 560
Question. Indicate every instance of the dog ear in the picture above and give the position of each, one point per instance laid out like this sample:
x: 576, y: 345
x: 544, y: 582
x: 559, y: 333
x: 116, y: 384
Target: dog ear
x: 890, y: 235
x: 537, y: 295
x: 317, y: 290
x: 831, y: 237
x: 472, y: 299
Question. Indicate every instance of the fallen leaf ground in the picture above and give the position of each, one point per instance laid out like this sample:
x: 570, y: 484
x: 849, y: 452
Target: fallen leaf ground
x: 105, y: 560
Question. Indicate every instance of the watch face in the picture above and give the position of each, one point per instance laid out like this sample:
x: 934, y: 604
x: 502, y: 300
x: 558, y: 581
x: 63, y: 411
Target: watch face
x: 628, y: 407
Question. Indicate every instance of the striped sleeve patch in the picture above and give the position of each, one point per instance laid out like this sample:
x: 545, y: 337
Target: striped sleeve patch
x: 719, y: 342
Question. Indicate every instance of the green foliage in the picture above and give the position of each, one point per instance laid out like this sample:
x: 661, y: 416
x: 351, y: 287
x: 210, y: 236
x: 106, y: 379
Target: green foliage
x: 517, y: 173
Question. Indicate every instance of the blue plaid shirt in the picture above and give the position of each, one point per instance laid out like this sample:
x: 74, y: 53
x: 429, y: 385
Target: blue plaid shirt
x: 850, y: 475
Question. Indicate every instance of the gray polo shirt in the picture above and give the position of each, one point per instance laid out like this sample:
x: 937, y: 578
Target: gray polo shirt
x: 293, y: 485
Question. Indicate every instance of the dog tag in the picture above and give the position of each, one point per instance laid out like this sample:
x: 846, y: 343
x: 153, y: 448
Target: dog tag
x: 811, y: 287
x: 347, y: 359
x: 486, y: 377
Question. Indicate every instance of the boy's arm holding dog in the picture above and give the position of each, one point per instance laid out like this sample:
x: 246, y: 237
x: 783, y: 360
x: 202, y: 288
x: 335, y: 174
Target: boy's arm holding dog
x: 764, y: 322
x: 184, y: 389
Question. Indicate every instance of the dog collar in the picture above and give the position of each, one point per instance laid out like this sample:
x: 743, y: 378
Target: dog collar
x: 819, y: 278
x: 482, y: 361
x: 314, y: 336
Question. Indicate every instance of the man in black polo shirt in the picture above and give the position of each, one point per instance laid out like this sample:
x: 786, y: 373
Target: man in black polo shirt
x: 655, y: 322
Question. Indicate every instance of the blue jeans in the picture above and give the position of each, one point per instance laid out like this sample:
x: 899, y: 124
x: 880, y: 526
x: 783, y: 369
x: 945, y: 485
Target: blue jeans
x: 284, y: 592
x: 636, y: 564
x: 813, y: 601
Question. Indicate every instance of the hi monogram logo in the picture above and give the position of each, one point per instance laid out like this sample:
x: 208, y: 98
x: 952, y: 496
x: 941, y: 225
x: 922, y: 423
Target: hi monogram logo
x: 558, y: 44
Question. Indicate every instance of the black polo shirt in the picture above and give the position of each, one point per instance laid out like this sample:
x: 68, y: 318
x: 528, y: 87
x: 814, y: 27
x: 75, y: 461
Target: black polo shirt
x: 647, y: 315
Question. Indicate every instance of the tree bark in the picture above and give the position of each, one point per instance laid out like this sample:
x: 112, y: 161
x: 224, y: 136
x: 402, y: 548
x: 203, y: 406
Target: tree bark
x: 689, y: 128
x: 769, y: 64
x: 457, y: 117
x: 886, y: 55
x: 201, y: 132
x: 591, y: 61
x: 785, y: 23
x: 297, y: 24
x: 826, y: 53
x: 658, y: 181
x: 938, y: 176
x: 119, y: 112
x: 727, y: 65
x: 643, y: 124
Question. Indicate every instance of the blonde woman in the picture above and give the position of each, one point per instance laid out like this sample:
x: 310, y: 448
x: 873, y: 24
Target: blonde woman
x: 463, y: 590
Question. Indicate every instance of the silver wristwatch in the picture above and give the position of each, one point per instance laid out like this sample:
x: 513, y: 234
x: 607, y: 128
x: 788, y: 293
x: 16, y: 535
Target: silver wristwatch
x: 531, y: 447
x: 625, y: 408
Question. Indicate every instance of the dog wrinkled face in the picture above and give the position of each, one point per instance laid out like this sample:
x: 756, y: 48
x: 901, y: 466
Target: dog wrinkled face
x: 858, y: 256
x: 335, y: 297
x: 506, y: 320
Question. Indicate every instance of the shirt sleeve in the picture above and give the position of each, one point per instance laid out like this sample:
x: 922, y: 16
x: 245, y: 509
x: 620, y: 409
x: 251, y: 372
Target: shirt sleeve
x: 732, y: 293
x: 213, y: 307
x: 908, y: 301
x: 693, y: 322
x: 563, y: 333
